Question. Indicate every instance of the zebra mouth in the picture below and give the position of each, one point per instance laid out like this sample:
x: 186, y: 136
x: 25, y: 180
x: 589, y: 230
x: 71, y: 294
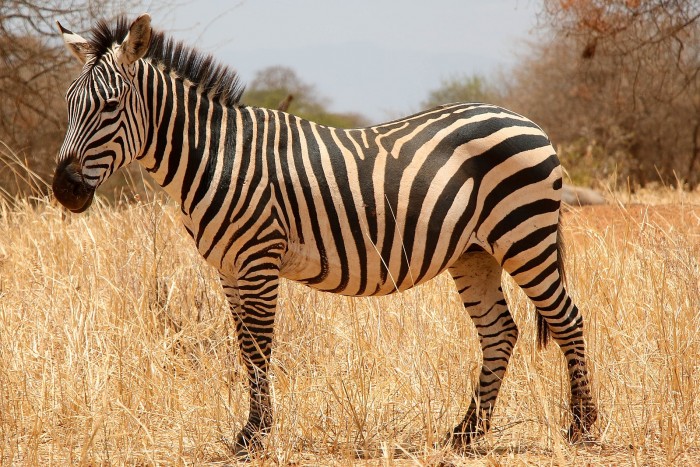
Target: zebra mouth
x: 70, y: 188
x: 88, y: 202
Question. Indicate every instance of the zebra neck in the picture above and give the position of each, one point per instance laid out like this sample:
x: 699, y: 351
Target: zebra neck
x: 187, y: 137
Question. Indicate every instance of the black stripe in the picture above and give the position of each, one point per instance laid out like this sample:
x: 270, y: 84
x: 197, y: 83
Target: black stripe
x: 365, y: 172
x: 176, y: 137
x: 164, y: 128
x: 536, y: 261
x: 332, y: 211
x: 223, y: 190
x: 209, y: 132
x: 349, y: 208
x: 520, y: 179
x: 519, y: 215
x: 281, y: 153
x: 309, y: 200
x: 531, y: 240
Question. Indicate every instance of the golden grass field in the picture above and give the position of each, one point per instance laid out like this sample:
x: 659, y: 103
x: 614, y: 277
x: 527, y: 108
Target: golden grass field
x: 116, y: 348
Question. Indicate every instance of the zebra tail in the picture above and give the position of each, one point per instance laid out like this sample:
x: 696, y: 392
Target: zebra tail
x: 542, y: 328
x: 542, y: 332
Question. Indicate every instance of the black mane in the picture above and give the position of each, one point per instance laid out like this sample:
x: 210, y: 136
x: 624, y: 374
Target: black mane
x: 217, y: 80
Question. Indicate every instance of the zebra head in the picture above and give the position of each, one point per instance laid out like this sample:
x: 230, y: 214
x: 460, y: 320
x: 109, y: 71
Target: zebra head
x: 106, y: 114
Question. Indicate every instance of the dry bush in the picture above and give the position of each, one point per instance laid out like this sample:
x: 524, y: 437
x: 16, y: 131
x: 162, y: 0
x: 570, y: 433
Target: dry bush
x: 616, y: 85
x: 18, y: 177
x: 116, y: 348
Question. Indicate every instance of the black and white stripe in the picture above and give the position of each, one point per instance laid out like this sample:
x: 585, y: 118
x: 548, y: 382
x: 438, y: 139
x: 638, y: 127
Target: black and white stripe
x: 469, y: 188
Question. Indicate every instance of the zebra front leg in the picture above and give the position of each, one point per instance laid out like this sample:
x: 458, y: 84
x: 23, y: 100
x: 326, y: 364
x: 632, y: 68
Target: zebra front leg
x: 253, y: 304
x: 478, y: 279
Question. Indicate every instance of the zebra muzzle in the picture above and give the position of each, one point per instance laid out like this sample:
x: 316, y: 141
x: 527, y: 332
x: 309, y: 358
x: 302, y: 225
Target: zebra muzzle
x: 70, y: 188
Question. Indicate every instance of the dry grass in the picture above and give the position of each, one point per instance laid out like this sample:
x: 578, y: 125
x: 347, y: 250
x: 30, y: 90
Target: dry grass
x: 116, y: 348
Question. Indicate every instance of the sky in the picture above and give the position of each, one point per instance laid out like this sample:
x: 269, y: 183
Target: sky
x: 378, y: 58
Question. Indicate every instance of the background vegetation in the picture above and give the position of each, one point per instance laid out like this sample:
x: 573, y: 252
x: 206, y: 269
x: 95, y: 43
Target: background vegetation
x: 615, y: 83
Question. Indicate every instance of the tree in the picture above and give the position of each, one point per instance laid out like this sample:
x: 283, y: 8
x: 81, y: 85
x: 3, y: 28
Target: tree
x: 628, y: 76
x: 625, y: 26
x: 463, y: 88
x: 271, y: 86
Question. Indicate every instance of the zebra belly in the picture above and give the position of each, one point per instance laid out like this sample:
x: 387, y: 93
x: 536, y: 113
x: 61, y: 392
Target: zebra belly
x: 375, y: 279
x: 407, y: 248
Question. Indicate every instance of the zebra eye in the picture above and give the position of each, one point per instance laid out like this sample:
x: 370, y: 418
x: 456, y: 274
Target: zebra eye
x: 111, y: 105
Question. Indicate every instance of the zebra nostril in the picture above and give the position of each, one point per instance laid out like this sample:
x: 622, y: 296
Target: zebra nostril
x: 69, y: 187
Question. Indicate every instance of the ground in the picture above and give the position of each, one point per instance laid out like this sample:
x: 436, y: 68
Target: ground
x: 116, y: 349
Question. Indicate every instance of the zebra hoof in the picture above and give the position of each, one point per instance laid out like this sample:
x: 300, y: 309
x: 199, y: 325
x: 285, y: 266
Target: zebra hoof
x: 462, y: 438
x: 577, y: 435
x: 584, y: 417
x: 238, y: 451
x: 244, y: 446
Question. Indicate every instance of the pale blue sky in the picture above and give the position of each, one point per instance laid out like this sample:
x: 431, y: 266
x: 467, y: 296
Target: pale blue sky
x: 374, y: 57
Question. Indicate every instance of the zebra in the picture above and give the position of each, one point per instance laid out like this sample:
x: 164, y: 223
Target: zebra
x: 469, y: 188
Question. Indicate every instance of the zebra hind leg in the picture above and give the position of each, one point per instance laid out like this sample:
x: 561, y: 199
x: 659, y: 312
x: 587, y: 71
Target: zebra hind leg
x: 539, y: 272
x: 565, y: 323
x: 477, y: 276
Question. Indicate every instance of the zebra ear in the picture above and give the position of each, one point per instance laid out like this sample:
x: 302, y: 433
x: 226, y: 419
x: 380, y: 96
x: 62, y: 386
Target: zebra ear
x: 136, y: 43
x: 78, y: 46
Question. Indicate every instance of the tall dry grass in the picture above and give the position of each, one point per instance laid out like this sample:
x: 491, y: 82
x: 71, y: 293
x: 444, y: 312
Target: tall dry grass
x: 116, y: 348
